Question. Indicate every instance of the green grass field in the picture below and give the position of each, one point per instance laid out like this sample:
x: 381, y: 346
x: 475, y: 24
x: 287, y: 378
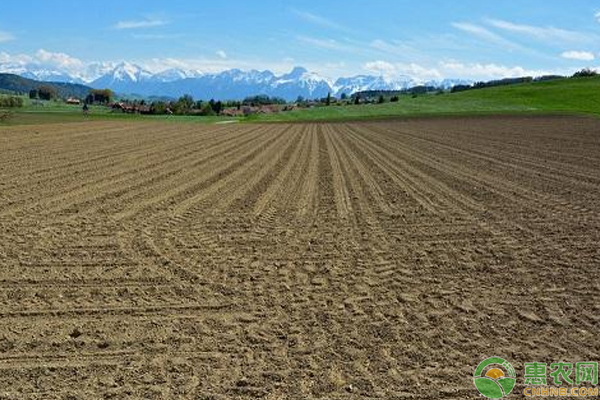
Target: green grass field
x: 577, y: 96
x: 568, y: 96
x: 46, y: 112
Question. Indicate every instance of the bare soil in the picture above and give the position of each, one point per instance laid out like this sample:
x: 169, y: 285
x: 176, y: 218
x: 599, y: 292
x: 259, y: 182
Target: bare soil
x: 333, y: 261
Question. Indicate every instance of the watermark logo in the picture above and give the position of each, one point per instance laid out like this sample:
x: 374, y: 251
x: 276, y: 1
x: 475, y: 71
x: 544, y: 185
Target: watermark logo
x: 495, y: 378
x: 580, y: 376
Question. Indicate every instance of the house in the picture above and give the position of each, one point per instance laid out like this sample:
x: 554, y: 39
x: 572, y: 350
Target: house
x: 131, y: 108
x: 73, y: 100
x: 232, y: 112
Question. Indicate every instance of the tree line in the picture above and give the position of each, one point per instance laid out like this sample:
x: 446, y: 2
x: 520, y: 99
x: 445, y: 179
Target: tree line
x: 43, y: 92
x: 584, y: 73
x: 187, y: 105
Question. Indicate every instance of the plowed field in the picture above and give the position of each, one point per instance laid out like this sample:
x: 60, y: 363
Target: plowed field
x: 359, y: 260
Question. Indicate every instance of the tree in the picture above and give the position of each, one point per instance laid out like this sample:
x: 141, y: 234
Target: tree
x: 158, y: 107
x: 184, y: 104
x: 344, y: 96
x: 102, y: 96
x: 585, y: 73
x: 263, y: 99
x: 46, y: 92
x: 217, y: 107
x: 33, y: 94
x: 381, y: 99
x: 357, y: 99
x: 186, y: 101
x: 460, y: 88
x: 207, y: 110
x: 328, y: 100
x: 394, y: 99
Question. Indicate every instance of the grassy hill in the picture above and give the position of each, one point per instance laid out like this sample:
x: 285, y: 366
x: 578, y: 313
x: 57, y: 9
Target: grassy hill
x: 573, y: 95
x: 18, y: 84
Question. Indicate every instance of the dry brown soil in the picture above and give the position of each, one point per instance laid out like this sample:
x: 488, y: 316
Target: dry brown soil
x: 360, y: 260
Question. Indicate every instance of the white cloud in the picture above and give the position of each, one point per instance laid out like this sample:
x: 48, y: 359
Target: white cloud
x: 451, y: 69
x: 156, y: 36
x: 327, y: 44
x: 397, y: 48
x: 380, y: 67
x: 391, y: 70
x: 318, y: 20
x: 221, y: 54
x: 6, y: 36
x: 58, y: 60
x: 542, y: 33
x: 578, y: 55
x: 46, y: 62
x: 143, y: 23
x: 15, y: 58
x: 597, y: 16
x: 485, y: 34
x: 45, y: 59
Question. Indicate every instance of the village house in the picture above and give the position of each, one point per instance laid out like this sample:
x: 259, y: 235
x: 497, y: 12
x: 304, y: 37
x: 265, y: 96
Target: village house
x: 73, y: 100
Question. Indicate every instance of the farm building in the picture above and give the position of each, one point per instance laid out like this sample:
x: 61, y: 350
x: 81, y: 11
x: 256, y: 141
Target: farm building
x: 73, y: 100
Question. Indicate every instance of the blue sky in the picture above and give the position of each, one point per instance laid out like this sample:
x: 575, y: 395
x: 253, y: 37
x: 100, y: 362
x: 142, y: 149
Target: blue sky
x: 429, y: 39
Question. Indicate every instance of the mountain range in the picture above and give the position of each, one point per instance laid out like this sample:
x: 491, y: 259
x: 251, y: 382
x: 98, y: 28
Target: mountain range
x: 127, y: 79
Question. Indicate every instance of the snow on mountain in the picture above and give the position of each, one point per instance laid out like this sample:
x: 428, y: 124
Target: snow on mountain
x: 300, y: 82
x: 449, y: 83
x: 96, y: 70
x: 50, y: 76
x: 38, y: 72
x: 129, y: 78
x: 123, y: 78
x: 127, y: 72
x: 368, y: 82
x: 174, y: 74
x: 35, y: 69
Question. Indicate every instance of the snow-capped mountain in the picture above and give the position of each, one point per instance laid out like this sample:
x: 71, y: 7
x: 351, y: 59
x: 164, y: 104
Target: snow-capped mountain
x: 95, y: 70
x: 174, y: 74
x: 49, y: 75
x: 128, y: 78
x: 367, y: 82
x: 38, y: 72
x: 35, y: 70
x: 449, y: 83
x: 300, y: 82
x: 124, y: 77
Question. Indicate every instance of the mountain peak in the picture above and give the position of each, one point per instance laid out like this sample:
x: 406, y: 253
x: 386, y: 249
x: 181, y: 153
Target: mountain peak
x: 126, y: 71
x: 174, y: 74
x: 295, y: 73
x: 126, y: 65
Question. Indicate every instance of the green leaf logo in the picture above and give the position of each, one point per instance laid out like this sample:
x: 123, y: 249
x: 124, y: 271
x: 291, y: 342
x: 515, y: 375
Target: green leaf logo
x: 494, y: 378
